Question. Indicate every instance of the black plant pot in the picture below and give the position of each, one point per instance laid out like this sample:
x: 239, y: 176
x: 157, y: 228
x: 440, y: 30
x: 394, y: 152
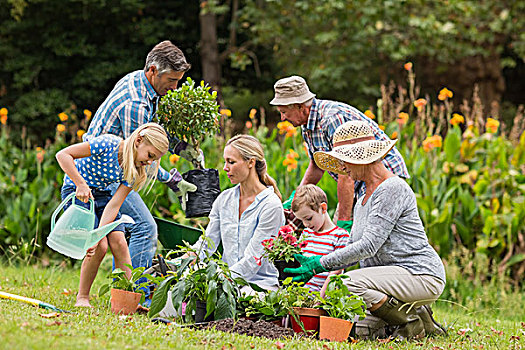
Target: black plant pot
x: 208, y: 188
x: 282, y: 264
x: 200, y: 312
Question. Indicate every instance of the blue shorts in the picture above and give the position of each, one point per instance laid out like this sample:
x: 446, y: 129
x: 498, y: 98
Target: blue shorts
x: 101, y: 199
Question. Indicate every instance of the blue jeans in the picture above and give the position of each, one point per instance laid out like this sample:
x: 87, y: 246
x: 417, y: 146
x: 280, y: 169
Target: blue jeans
x: 143, y: 241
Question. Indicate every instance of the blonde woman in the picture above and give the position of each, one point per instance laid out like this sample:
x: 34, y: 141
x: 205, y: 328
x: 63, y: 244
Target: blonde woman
x: 245, y: 215
x: 90, y: 167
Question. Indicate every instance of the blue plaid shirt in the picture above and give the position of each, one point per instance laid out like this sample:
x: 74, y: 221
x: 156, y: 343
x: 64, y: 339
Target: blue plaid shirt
x: 325, y: 116
x: 131, y: 103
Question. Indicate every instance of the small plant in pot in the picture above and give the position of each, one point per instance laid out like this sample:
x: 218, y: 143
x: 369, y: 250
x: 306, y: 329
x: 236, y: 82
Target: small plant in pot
x: 206, y: 286
x: 280, y: 250
x: 343, y: 309
x: 189, y: 113
x: 126, y: 294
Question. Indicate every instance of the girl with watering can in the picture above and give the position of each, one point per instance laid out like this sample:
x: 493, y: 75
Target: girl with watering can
x: 90, y: 167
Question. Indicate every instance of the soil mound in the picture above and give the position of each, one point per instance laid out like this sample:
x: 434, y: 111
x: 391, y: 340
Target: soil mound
x: 244, y: 326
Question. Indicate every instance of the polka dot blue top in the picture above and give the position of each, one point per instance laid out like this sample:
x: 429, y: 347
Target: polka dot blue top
x: 102, y: 167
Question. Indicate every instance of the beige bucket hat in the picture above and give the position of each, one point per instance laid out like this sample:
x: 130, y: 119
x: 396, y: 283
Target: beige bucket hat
x: 291, y: 90
x: 354, y: 143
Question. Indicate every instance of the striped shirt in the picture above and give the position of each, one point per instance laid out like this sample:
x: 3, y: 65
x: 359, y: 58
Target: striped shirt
x: 323, y: 243
x: 131, y: 103
x: 325, y: 116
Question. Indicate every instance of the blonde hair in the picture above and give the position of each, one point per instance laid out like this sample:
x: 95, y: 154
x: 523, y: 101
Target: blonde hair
x: 310, y: 195
x: 249, y: 147
x: 139, y: 177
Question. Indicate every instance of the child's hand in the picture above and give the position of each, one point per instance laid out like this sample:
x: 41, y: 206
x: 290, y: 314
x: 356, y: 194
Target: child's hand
x: 83, y: 193
x: 91, y: 251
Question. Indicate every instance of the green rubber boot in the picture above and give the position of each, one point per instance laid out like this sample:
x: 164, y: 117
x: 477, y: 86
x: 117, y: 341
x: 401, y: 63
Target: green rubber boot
x: 432, y: 328
x: 408, y: 324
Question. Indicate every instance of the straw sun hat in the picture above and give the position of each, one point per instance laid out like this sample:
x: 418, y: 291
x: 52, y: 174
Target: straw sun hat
x: 354, y: 143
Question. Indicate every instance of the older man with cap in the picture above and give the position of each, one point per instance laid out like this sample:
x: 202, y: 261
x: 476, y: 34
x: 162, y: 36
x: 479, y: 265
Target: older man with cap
x: 318, y: 120
x: 400, y: 273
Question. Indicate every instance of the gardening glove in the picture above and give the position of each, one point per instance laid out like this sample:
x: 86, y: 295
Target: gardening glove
x: 310, y: 266
x: 194, y: 155
x: 288, y: 203
x: 184, y: 188
x: 174, y: 179
x: 347, y: 225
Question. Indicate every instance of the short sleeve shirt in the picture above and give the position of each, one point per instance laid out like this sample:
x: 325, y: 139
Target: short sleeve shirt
x: 102, y: 167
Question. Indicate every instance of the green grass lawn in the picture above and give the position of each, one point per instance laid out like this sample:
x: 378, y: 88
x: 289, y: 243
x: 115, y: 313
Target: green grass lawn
x: 26, y: 327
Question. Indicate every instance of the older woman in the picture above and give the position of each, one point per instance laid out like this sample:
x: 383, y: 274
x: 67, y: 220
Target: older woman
x: 398, y: 266
x: 245, y: 215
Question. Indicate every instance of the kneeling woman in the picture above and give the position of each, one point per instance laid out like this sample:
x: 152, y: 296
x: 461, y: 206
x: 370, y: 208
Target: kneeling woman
x: 245, y: 215
x: 398, y: 265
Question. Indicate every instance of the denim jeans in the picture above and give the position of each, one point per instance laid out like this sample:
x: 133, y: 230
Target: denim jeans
x: 143, y: 240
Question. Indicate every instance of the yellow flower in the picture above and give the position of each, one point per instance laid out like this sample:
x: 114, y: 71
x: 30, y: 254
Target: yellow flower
x: 249, y: 124
x: 369, y: 114
x: 87, y: 114
x: 408, y: 66
x: 462, y: 168
x: 39, y: 149
x: 3, y: 111
x: 420, y: 103
x: 402, y: 118
x: 394, y: 135
x: 174, y: 158
x: 382, y: 127
x: 444, y: 94
x: 492, y: 125
x: 63, y: 116
x: 225, y: 112
x: 457, y: 119
x: 253, y: 112
x: 61, y: 128
x: 80, y: 132
x: 432, y: 142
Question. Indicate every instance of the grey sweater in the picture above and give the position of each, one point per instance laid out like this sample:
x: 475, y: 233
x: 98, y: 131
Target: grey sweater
x: 388, y: 231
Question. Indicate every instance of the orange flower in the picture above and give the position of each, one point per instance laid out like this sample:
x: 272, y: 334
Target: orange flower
x: 382, y: 127
x: 444, y: 94
x: 286, y: 128
x: 225, y: 112
x: 87, y: 114
x: 3, y: 111
x: 61, y: 128
x: 174, y: 158
x: 253, y: 112
x: 457, y: 119
x: 432, y: 142
x: 394, y: 135
x: 292, y: 154
x: 402, y: 118
x: 290, y: 163
x: 369, y: 114
x: 249, y: 124
x: 420, y: 103
x: 80, y: 132
x: 408, y: 66
x: 63, y: 116
x: 492, y: 125
x: 3, y: 119
x: 40, y: 154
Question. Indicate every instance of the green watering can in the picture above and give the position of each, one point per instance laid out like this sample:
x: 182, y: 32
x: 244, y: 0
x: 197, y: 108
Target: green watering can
x: 73, y: 233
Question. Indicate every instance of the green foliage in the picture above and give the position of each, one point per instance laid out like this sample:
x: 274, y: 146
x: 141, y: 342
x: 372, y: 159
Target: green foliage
x: 339, y: 302
x: 190, y: 113
x: 269, y: 306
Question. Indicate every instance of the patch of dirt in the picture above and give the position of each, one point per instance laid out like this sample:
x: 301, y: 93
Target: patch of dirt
x: 244, y: 326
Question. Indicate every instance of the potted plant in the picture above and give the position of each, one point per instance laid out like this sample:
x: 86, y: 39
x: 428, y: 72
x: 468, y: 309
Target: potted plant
x: 206, y: 286
x: 126, y: 294
x: 189, y: 113
x: 343, y: 309
x: 281, y: 249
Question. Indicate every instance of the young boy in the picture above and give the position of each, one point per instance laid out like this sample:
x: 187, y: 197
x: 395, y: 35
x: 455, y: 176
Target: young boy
x: 321, y: 235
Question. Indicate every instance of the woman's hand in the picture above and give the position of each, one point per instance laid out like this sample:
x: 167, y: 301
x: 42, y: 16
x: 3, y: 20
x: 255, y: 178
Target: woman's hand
x: 83, y: 193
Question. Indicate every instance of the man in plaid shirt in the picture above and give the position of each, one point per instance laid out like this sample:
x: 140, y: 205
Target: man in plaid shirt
x: 131, y: 103
x: 318, y: 120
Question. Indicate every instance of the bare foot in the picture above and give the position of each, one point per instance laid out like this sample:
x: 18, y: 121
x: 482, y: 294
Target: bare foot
x: 83, y: 302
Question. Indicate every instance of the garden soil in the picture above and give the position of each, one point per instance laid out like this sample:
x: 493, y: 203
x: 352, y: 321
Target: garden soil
x: 244, y: 326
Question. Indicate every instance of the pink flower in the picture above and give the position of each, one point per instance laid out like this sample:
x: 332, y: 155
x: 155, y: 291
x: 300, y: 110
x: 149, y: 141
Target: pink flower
x: 284, y: 230
x: 267, y: 243
x: 257, y: 260
x: 303, y: 244
x: 290, y: 239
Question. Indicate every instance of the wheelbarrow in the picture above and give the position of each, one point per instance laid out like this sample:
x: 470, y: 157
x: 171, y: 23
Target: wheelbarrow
x: 172, y: 234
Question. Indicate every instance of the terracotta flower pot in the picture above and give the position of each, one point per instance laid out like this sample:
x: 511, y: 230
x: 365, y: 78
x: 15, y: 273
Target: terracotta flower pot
x: 124, y: 302
x: 309, y: 317
x: 334, y: 329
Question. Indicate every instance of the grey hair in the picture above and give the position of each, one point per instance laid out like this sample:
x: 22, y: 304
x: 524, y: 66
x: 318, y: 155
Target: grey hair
x: 166, y: 57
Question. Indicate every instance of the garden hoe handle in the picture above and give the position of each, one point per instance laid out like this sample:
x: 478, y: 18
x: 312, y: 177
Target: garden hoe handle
x: 31, y: 301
